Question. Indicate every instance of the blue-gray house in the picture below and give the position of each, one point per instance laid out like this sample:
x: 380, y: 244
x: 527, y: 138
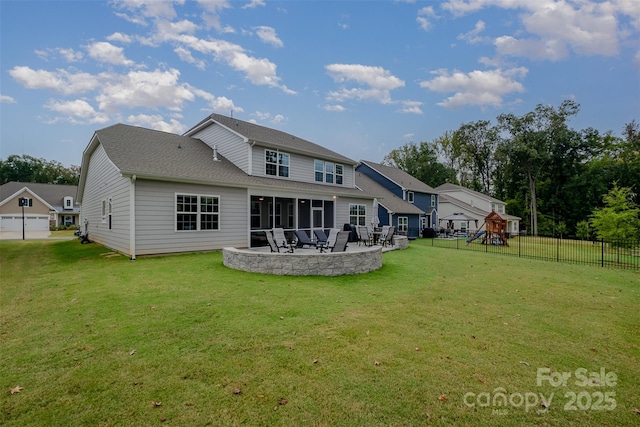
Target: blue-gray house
x: 408, y: 189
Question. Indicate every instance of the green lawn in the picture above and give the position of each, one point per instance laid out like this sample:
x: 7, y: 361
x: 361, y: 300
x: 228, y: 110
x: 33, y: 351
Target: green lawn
x: 93, y: 339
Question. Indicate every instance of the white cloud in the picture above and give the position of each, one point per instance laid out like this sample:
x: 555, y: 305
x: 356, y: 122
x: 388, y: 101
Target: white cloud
x: 411, y: 107
x: 148, y: 89
x: 253, y: 4
x: 473, y: 36
x: 106, y: 52
x: 259, y: 71
x: 157, y: 122
x: 477, y: 87
x: 187, y: 57
x: 211, y: 15
x: 268, y: 35
x: 334, y: 107
x: 554, y: 28
x: 70, y: 55
x: 6, y: 99
x: 378, y: 82
x: 77, y: 111
x: 147, y: 9
x: 422, y: 19
x: 59, y: 80
x: 120, y: 38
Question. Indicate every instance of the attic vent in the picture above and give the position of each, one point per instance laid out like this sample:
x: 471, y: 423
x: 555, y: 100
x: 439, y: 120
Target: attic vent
x: 215, y: 153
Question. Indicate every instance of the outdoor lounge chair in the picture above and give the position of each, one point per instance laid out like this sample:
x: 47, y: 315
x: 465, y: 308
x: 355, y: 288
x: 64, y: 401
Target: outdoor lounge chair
x: 321, y: 237
x: 331, y: 240
x: 303, y: 239
x: 342, y: 239
x: 272, y: 243
x: 280, y: 238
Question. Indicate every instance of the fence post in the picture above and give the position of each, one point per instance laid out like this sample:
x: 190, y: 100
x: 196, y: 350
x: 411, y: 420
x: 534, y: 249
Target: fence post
x: 602, y: 253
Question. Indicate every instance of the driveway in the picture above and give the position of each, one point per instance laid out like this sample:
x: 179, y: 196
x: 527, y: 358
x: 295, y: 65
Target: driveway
x: 28, y: 235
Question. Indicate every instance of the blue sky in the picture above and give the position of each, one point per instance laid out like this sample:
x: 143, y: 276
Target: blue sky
x: 358, y: 77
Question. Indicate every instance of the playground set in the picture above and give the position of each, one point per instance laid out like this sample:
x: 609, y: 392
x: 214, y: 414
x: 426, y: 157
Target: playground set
x: 495, y: 232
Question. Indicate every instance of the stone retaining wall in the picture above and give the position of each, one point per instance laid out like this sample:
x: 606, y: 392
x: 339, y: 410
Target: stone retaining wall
x: 304, y: 264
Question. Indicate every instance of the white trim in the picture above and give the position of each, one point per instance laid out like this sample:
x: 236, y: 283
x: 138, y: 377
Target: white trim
x: 198, y: 212
x: 132, y: 217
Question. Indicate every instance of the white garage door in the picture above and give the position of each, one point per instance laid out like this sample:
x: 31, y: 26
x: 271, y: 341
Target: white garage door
x: 31, y: 222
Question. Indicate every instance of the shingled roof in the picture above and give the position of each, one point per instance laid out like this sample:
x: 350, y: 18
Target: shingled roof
x: 53, y: 194
x: 400, y: 177
x: 272, y: 138
x: 387, y: 199
x: 158, y: 155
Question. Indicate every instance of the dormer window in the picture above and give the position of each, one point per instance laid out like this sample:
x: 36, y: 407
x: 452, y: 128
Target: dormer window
x: 68, y: 202
x: 410, y: 196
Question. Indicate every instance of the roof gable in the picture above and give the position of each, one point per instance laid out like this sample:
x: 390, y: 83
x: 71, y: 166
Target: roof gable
x: 400, y: 177
x: 389, y: 200
x: 449, y: 187
x: 271, y: 138
x: 51, y: 195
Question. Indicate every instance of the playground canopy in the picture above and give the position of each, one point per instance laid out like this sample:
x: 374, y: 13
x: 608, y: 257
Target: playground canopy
x: 459, y: 216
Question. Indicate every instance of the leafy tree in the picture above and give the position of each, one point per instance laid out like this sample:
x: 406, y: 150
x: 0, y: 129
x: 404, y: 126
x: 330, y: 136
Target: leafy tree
x: 583, y: 231
x: 619, y: 218
x: 30, y: 169
x: 420, y: 161
x: 477, y: 143
x: 532, y: 143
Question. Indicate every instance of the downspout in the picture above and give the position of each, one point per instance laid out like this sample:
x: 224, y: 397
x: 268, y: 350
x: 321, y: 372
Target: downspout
x: 250, y: 166
x: 132, y: 218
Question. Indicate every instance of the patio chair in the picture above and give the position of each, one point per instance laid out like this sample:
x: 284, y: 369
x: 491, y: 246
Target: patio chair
x: 364, y: 236
x: 321, y: 237
x: 331, y: 240
x: 387, y: 239
x: 303, y: 239
x: 272, y: 243
x: 280, y: 238
x: 342, y: 239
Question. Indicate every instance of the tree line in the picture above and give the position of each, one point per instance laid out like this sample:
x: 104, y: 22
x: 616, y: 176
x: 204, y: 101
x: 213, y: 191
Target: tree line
x: 551, y: 175
x: 30, y: 169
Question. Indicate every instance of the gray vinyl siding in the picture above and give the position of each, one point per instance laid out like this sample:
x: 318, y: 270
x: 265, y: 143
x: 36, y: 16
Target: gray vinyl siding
x: 301, y: 168
x: 230, y: 145
x: 342, y: 210
x: 104, y: 181
x: 156, y: 219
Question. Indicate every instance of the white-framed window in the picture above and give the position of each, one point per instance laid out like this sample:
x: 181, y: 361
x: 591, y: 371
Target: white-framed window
x: 403, y: 224
x: 410, y: 196
x: 358, y: 214
x: 433, y: 201
x: 197, y: 212
x: 276, y: 163
x: 104, y: 210
x: 330, y: 173
x: 68, y: 202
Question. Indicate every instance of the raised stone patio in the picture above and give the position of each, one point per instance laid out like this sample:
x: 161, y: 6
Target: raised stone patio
x: 310, y: 262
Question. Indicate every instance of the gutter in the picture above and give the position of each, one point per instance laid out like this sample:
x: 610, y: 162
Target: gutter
x: 132, y: 218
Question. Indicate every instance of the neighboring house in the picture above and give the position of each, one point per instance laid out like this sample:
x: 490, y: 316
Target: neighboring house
x: 392, y: 210
x: 458, y: 199
x: 48, y: 205
x: 407, y: 188
x: 223, y: 183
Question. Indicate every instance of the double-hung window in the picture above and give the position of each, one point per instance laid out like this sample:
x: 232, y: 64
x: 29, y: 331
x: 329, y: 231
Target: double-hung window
x: 197, y: 212
x: 410, y: 196
x: 358, y: 214
x: 403, y: 224
x: 276, y: 163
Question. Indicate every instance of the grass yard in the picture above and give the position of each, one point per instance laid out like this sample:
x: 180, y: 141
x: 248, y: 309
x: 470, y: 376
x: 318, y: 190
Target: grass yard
x: 547, y: 248
x: 435, y: 337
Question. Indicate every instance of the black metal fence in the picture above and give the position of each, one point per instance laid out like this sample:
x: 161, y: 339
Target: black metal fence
x: 602, y: 252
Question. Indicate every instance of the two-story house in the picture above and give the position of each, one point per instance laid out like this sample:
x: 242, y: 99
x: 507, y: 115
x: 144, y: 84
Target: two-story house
x: 46, y: 206
x: 223, y: 183
x: 408, y: 189
x: 456, y: 199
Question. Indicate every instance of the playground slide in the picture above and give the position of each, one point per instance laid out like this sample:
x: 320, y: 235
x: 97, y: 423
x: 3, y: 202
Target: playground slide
x: 478, y: 234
